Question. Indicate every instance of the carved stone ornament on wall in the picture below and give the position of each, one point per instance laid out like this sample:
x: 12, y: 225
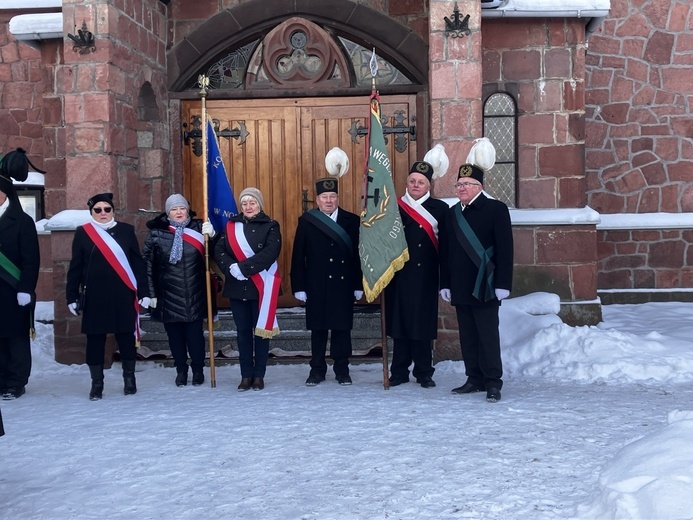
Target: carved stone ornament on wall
x: 298, y: 54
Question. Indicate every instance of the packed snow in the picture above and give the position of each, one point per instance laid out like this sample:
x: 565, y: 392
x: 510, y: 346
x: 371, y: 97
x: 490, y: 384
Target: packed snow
x: 595, y: 423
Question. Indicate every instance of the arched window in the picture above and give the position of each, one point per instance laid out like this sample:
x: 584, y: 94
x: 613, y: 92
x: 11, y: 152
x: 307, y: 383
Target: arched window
x: 500, y: 126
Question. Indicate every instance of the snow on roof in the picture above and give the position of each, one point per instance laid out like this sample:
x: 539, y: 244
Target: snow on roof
x: 552, y: 8
x: 39, y: 26
x: 29, y: 4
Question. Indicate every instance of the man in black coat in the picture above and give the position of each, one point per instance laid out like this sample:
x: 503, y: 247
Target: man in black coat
x: 411, y: 298
x: 476, y: 274
x: 326, y: 274
x: 19, y: 269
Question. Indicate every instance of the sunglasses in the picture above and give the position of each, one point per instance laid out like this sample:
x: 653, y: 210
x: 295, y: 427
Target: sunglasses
x: 107, y: 209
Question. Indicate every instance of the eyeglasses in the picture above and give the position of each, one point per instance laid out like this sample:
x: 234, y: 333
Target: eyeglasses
x: 107, y: 209
x: 466, y: 185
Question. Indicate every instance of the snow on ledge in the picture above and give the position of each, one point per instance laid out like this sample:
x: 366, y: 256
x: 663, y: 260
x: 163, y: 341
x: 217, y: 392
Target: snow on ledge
x: 39, y: 26
x: 549, y: 8
x: 29, y: 4
x: 645, y: 221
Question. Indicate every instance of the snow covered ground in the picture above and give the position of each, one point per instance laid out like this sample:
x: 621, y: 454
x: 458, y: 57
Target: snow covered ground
x: 595, y: 422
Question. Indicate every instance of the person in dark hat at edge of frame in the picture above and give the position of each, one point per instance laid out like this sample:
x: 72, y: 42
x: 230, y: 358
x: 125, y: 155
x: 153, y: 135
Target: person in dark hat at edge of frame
x: 107, y: 265
x: 19, y: 269
x: 326, y: 273
x: 411, y: 298
x: 476, y: 272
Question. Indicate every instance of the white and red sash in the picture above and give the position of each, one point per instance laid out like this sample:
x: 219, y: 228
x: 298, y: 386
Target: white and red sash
x: 118, y: 260
x: 193, y: 238
x: 267, y: 282
x: 422, y: 216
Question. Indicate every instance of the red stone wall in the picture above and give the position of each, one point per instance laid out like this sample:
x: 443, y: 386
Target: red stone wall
x: 645, y: 259
x: 22, y: 85
x: 639, y: 155
x: 186, y: 16
x: 541, y: 64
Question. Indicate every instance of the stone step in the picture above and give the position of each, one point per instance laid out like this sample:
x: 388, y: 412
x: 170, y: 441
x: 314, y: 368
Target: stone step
x: 292, y: 341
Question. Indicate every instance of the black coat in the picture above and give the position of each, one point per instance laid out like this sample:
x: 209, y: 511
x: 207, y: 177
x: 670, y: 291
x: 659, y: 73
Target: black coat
x: 327, y: 273
x: 490, y: 220
x: 262, y: 233
x: 411, y: 298
x: 180, y: 288
x: 109, y: 305
x: 19, y: 243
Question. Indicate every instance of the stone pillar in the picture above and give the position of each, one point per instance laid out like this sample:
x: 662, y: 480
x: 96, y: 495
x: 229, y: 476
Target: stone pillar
x: 455, y: 79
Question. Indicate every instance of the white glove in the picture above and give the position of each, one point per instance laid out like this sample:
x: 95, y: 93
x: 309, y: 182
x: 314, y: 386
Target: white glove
x: 73, y: 308
x: 208, y: 229
x: 445, y: 295
x: 358, y: 295
x: 23, y: 299
x: 236, y: 272
x: 144, y: 302
x: 501, y: 294
x: 301, y: 295
x: 152, y: 303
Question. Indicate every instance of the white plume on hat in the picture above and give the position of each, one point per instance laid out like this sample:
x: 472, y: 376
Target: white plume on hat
x: 482, y: 154
x: 437, y: 158
x: 336, y: 162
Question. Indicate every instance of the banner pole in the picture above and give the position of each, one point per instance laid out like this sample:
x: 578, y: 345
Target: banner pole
x: 204, y: 83
x: 383, y: 339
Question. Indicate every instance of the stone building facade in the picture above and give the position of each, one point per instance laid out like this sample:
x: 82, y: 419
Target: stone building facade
x: 602, y: 118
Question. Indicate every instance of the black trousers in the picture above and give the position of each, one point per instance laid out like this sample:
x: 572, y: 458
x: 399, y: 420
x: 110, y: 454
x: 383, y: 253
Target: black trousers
x: 340, y: 351
x: 186, y: 338
x: 15, y: 361
x: 406, y: 351
x: 253, y: 351
x: 96, y: 344
x: 480, y: 344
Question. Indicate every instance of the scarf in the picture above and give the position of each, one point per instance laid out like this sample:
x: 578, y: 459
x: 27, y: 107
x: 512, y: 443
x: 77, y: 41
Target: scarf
x: 177, y: 248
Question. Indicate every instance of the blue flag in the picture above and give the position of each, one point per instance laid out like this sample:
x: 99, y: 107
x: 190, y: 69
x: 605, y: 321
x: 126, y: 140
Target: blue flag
x: 221, y: 204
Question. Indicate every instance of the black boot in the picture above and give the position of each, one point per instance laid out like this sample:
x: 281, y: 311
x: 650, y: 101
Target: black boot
x: 129, y: 384
x: 96, y: 391
x: 182, y: 377
x: 198, y: 377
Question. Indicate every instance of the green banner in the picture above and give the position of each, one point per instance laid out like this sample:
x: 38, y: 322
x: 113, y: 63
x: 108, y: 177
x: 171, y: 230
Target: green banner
x: 382, y: 245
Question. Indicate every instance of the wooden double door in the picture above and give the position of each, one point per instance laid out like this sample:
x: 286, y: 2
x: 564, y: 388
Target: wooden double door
x: 280, y: 149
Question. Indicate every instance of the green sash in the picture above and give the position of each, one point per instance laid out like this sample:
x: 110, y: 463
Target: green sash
x: 330, y: 228
x: 480, y: 256
x: 10, y: 273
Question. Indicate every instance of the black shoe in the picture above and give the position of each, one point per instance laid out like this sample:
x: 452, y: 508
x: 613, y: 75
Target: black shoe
x: 493, y: 395
x: 258, y: 383
x: 182, y: 378
x: 396, y: 381
x: 13, y: 393
x: 198, y: 378
x: 467, y: 388
x: 245, y: 384
x: 344, y: 380
x: 129, y: 381
x: 314, y: 380
x: 426, y: 382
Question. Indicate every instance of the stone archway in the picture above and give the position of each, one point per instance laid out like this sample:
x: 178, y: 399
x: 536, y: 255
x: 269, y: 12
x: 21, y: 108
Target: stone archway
x: 238, y: 24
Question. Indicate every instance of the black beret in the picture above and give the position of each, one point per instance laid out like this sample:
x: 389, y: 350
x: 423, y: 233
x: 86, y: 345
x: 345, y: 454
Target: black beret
x: 101, y: 197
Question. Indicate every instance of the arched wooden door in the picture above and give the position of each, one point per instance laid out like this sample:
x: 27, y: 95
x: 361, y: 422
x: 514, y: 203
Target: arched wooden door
x: 281, y: 151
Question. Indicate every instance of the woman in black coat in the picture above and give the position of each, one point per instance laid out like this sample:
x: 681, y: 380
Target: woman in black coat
x: 107, y: 266
x: 175, y: 258
x: 247, y: 254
